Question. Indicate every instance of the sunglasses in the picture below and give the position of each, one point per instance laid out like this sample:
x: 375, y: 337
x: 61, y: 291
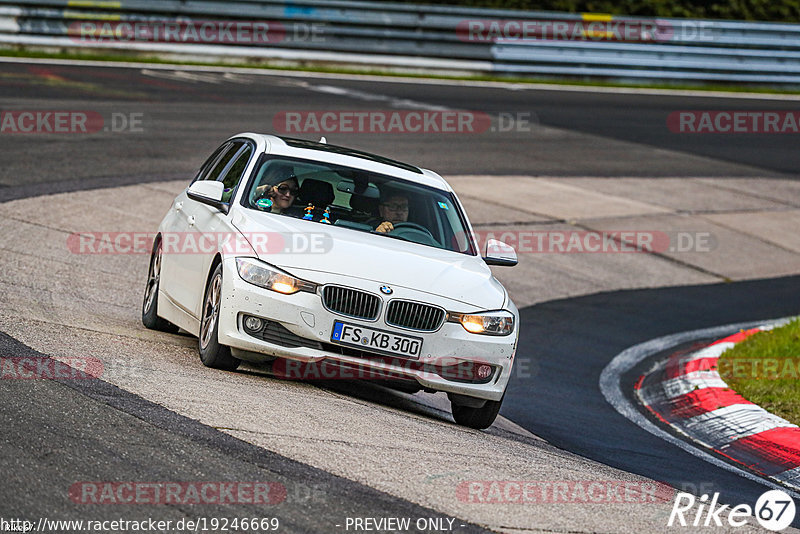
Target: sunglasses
x: 286, y: 190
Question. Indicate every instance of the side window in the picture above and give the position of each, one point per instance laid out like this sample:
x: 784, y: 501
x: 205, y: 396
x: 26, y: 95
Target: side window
x: 235, y: 172
x: 223, y: 161
x: 209, y: 163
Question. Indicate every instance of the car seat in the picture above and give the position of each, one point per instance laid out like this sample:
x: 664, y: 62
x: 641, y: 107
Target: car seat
x: 317, y: 193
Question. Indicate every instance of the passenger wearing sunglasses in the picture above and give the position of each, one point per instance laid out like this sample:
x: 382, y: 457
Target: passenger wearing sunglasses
x: 282, y: 195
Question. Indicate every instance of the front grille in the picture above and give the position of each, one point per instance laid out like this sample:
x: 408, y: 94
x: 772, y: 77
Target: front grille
x: 351, y: 302
x: 414, y: 315
x: 276, y: 333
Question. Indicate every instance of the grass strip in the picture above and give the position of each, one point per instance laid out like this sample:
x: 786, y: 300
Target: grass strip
x: 765, y: 369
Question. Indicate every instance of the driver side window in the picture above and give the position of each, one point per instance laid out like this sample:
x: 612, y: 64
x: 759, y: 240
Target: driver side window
x: 210, y: 162
x: 235, y: 172
x: 223, y: 161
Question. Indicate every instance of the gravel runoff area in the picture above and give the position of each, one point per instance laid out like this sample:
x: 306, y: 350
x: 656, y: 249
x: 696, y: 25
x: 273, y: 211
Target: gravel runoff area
x: 68, y: 305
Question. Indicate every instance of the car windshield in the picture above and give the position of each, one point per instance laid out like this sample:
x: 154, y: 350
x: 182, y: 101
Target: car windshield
x: 358, y: 200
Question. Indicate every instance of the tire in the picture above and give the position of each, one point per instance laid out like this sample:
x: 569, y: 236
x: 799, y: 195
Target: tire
x: 477, y: 418
x: 212, y: 354
x: 150, y: 318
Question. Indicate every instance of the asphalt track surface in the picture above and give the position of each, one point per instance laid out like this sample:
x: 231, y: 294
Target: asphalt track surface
x: 57, y: 432
x: 571, y: 134
x: 570, y: 340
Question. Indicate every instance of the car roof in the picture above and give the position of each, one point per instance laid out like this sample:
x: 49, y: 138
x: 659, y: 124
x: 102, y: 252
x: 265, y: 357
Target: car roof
x: 316, y: 151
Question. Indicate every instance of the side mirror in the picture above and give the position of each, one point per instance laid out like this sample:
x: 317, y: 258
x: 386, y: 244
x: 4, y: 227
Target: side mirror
x: 209, y: 192
x: 498, y: 253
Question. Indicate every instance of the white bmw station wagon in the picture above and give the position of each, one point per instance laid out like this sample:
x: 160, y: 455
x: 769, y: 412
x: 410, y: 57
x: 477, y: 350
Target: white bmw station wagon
x: 334, y: 263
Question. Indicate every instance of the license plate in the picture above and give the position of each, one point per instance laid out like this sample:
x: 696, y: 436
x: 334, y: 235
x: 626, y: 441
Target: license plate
x: 376, y: 340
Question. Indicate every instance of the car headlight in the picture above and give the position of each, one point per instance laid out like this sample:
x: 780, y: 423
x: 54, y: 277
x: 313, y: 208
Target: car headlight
x: 495, y: 323
x: 263, y: 275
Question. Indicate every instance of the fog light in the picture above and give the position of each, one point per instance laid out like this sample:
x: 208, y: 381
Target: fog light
x: 253, y: 323
x: 484, y: 371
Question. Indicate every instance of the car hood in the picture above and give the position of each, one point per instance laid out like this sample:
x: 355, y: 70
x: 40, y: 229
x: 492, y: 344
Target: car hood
x: 314, y: 251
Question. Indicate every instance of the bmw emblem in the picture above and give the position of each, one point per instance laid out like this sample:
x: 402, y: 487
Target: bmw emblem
x: 386, y: 290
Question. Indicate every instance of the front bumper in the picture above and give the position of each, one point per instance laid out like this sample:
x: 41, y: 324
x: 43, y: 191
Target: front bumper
x: 303, y: 315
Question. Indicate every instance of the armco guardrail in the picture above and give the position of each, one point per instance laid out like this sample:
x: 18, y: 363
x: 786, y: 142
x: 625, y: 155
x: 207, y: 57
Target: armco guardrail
x: 443, y: 38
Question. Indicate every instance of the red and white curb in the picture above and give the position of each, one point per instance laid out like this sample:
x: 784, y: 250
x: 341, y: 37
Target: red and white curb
x: 687, y: 393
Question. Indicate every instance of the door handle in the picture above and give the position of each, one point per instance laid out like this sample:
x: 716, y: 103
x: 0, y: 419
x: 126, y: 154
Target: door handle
x: 191, y: 220
x: 178, y: 206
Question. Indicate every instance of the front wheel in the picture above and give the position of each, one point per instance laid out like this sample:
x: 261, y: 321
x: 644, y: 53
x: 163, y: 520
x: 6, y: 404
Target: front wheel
x: 477, y: 418
x: 212, y: 354
x: 150, y: 318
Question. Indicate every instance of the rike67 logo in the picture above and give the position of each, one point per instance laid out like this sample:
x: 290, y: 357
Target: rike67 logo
x: 774, y: 510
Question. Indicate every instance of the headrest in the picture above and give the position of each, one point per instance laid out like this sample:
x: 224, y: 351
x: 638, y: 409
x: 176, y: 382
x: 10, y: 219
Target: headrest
x: 364, y: 204
x: 316, y: 192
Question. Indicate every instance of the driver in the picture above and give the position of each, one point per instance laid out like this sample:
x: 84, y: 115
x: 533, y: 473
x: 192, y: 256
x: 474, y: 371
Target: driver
x: 393, y: 209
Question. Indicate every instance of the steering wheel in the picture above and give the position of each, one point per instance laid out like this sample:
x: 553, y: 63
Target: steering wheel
x: 414, y: 232
x: 410, y: 226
